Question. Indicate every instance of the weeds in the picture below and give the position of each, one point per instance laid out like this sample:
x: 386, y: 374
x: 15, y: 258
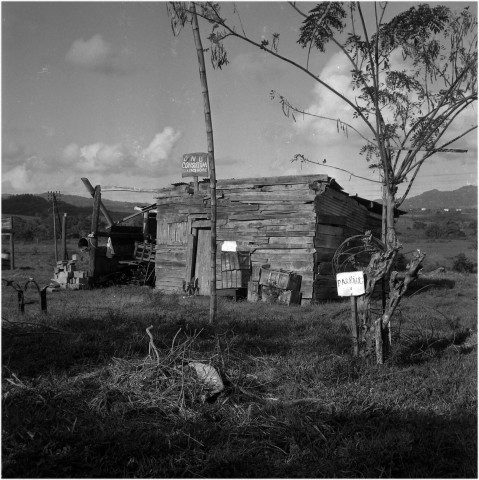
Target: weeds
x: 85, y: 394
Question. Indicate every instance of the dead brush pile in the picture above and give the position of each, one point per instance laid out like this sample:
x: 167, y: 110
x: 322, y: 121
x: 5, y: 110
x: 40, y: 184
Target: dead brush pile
x: 177, y: 382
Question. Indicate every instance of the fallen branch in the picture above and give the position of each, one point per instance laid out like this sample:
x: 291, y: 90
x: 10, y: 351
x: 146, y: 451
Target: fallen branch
x: 152, y: 346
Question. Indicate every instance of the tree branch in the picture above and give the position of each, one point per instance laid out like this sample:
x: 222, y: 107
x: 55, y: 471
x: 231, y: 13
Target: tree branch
x: 303, y: 159
x: 287, y: 60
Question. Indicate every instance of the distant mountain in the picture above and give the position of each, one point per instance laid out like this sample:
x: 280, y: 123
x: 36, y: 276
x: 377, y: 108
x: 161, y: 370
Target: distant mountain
x: 35, y: 205
x: 87, y: 202
x: 464, y: 197
x: 73, y: 205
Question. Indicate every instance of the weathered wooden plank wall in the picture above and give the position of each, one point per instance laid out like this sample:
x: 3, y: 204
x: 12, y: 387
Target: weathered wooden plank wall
x: 292, y: 223
x: 339, y: 216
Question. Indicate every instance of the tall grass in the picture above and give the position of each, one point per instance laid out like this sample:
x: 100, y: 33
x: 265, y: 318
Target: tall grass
x: 82, y: 396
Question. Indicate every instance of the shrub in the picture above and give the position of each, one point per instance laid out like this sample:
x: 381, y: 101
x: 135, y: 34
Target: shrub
x: 463, y: 264
x: 434, y: 231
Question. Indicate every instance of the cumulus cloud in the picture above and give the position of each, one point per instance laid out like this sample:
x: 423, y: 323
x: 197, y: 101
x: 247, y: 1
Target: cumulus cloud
x: 159, y: 150
x: 327, y: 104
x: 324, y: 133
x: 97, y: 55
x: 118, y: 158
x: 95, y: 157
x: 19, y: 178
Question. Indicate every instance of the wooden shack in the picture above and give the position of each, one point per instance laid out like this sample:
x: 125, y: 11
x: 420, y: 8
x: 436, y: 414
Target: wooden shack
x: 293, y: 223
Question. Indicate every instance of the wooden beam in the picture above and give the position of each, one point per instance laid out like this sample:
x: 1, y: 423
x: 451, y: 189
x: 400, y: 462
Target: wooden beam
x: 103, y: 209
x: 94, y: 230
x: 289, y: 179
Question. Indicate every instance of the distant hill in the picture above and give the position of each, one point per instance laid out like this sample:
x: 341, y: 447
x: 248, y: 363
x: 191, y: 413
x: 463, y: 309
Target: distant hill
x: 35, y: 205
x: 33, y: 214
x: 73, y: 205
x: 464, y: 197
x: 87, y: 202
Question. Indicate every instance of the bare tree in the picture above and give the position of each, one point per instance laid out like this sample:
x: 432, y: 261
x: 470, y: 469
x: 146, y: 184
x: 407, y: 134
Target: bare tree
x: 406, y: 111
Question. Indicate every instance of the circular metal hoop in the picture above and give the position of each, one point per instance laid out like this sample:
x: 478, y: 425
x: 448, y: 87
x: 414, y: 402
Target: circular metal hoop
x: 355, y: 253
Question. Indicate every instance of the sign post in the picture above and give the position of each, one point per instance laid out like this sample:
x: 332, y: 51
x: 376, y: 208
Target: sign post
x: 351, y: 284
x: 194, y: 165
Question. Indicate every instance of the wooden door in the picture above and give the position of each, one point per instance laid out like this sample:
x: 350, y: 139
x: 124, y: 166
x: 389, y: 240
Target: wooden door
x: 202, y: 261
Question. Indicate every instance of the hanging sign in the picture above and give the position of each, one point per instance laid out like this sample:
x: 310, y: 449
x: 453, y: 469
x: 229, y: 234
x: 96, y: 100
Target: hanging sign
x: 194, y: 165
x: 350, y: 284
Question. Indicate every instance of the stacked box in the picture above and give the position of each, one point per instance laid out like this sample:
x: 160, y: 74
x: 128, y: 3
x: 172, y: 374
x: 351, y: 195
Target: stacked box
x: 235, y: 278
x: 254, y: 291
x: 67, y: 276
x: 276, y: 286
x: 235, y: 269
x: 290, y: 297
x: 280, y: 279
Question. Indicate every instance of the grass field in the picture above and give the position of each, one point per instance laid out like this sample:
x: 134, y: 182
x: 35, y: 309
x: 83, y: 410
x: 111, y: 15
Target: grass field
x: 82, y: 397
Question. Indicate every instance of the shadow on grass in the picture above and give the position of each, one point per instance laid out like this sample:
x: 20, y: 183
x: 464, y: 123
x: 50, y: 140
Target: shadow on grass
x: 423, y: 284
x: 54, y: 434
x: 423, y: 347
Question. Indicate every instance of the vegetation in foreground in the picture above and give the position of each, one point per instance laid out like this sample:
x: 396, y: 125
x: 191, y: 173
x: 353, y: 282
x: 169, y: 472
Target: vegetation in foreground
x: 82, y: 397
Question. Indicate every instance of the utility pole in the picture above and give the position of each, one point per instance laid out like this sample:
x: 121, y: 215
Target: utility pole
x: 53, y: 197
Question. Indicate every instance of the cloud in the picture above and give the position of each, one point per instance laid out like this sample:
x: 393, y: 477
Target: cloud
x: 328, y: 104
x: 12, y: 152
x: 158, y: 152
x: 97, y: 55
x: 27, y: 171
x: 95, y: 157
x: 118, y: 158
x: 19, y: 178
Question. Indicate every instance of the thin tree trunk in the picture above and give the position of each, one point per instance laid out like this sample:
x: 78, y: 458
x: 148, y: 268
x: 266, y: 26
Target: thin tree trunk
x: 211, y: 160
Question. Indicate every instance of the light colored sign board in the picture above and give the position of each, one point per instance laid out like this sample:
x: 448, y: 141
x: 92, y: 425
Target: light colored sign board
x: 194, y: 165
x: 7, y: 223
x: 350, y: 284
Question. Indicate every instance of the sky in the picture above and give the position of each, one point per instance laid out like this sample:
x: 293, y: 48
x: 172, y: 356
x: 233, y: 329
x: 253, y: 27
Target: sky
x: 104, y: 90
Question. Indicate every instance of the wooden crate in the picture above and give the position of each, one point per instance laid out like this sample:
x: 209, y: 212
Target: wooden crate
x: 270, y: 294
x: 235, y: 261
x: 254, y: 291
x: 290, y: 297
x: 235, y: 278
x: 280, y: 279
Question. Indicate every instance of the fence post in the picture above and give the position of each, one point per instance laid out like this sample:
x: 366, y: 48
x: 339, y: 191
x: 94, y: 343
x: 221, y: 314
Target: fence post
x: 94, y: 232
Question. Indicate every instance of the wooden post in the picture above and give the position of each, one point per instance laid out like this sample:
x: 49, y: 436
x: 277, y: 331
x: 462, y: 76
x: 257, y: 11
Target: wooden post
x: 191, y: 254
x: 12, y: 248
x: 354, y: 325
x: 43, y: 299
x: 94, y: 231
x: 55, y: 228
x: 21, y: 301
x: 146, y: 228
x: 64, y: 237
x: 197, y: 187
x: 91, y: 190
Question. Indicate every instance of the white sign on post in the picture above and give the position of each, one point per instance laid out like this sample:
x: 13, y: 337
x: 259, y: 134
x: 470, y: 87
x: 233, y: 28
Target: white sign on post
x: 350, y: 284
